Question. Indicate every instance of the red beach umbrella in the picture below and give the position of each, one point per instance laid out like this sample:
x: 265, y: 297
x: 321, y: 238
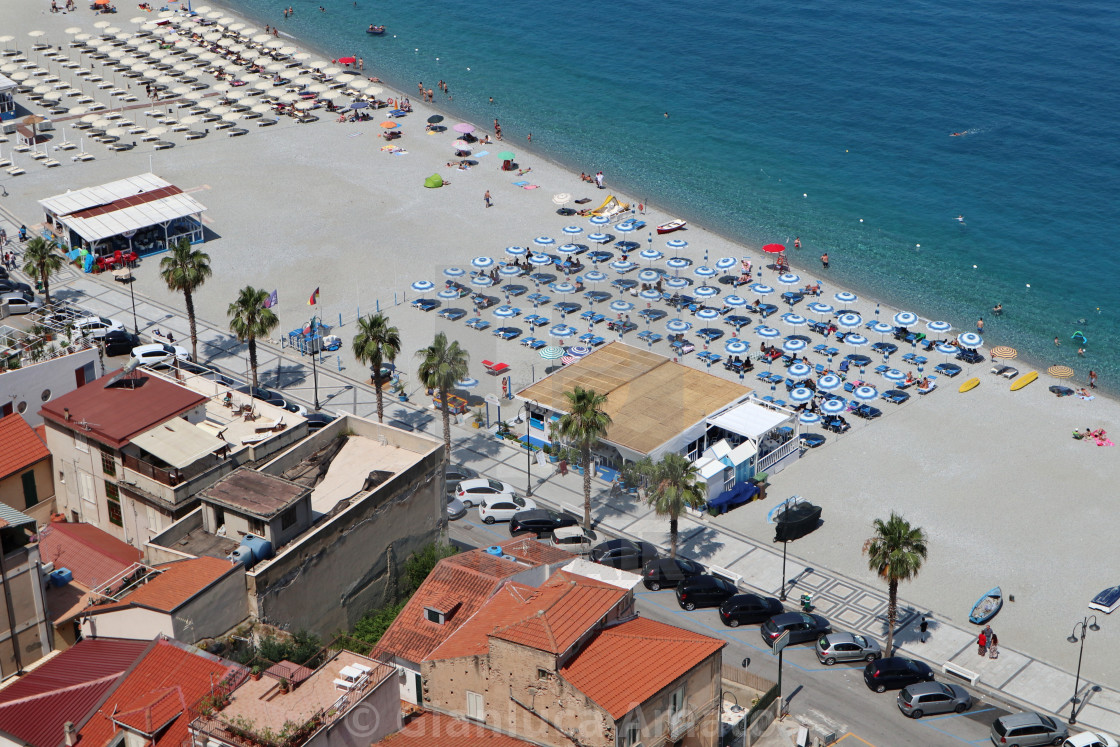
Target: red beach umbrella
x: 774, y: 248
x: 347, y: 60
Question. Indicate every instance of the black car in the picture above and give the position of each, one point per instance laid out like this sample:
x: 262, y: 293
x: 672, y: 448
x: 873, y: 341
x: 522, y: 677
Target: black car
x: 744, y: 609
x: 704, y: 591
x: 802, y: 627
x: 264, y: 395
x: 455, y: 474
x: 895, y: 673
x: 119, y: 342
x: 668, y: 572
x: 624, y: 554
x: 539, y: 521
x: 317, y: 420
x: 7, y: 285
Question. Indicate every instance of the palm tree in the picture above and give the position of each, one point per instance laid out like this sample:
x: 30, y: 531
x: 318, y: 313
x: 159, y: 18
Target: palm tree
x: 672, y: 488
x: 376, y: 343
x: 249, y: 319
x: 895, y: 553
x: 185, y: 269
x: 441, y: 366
x: 40, y: 261
x: 584, y: 424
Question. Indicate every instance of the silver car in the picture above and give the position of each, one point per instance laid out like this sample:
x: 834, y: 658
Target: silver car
x: 927, y: 698
x: 836, y: 647
x: 456, y: 509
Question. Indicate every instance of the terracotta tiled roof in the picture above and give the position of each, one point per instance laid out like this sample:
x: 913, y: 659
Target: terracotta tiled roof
x: 64, y: 688
x: 469, y: 578
x: 629, y: 663
x: 168, y: 680
x: 114, y: 415
x: 92, y: 555
x: 20, y: 447
x: 178, y: 583
x: 436, y: 730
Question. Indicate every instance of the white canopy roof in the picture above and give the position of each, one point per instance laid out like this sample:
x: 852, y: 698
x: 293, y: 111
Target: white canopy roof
x: 749, y: 420
x: 178, y: 442
x: 6, y: 83
x: 83, y: 199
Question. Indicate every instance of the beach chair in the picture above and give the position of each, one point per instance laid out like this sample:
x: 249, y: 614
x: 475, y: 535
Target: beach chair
x: 909, y: 357
x: 947, y: 369
x: 452, y: 315
x: 1009, y: 373
x: 596, y: 341
x: 537, y: 344
x: 507, y: 333
x: 882, y: 369
x: 478, y: 323
x: 931, y: 385
x: 527, y: 341
x: 495, y: 368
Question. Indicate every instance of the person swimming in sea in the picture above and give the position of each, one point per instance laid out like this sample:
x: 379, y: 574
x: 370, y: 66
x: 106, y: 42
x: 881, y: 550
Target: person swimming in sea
x: 960, y: 219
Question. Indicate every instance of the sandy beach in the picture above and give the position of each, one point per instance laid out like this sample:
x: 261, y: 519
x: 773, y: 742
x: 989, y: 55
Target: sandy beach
x: 1005, y: 495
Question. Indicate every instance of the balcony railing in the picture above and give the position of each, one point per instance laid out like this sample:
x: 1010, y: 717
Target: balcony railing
x: 169, y: 477
x: 681, y: 722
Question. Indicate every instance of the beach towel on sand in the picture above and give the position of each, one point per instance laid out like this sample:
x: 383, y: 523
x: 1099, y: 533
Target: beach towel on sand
x: 532, y: 186
x: 520, y: 184
x: 483, y: 153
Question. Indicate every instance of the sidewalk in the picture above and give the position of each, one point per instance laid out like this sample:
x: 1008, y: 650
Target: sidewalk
x: 1016, y: 676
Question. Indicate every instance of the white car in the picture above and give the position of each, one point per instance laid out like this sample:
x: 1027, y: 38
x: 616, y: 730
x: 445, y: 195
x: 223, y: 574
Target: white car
x: 160, y: 355
x: 97, y: 326
x: 502, y: 507
x: 1090, y: 739
x: 471, y: 492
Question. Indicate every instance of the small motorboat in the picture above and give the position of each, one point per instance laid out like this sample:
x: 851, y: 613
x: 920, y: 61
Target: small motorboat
x: 376, y: 30
x: 794, y: 521
x: 673, y: 225
x: 1107, y: 600
x: 987, y: 606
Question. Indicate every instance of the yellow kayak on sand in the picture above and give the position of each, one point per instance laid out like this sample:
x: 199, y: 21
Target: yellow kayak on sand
x: 1023, y: 380
x: 970, y: 384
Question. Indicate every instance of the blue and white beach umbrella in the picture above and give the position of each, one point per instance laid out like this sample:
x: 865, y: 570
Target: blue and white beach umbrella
x: 676, y: 243
x: 846, y: 297
x: 894, y: 375
x: 572, y: 230
x: 801, y: 394
x: 725, y: 263
x: 506, y: 312
x: 789, y: 278
x: 706, y: 291
x: 568, y: 248
x: 676, y: 282
x: 598, y: 238
x: 705, y: 272
x: 599, y: 220
x: 621, y: 306
x: 707, y: 314
x: 467, y: 383
x: 946, y: 349
x: 799, y: 370
x: 734, y: 300
x: 865, y: 393
x: 454, y: 272
x: 678, y: 263
x: 762, y: 289
x: 768, y: 333
x: 562, y: 288
x: 794, y: 320
x: 677, y: 325
x: 540, y: 260
x: 905, y: 318
x: 832, y: 406
x: 649, y: 276
x: 622, y: 266
x: 516, y: 251
x: 579, y: 350
x: 544, y: 241
x: 552, y: 353
x: 562, y: 330
x: 882, y: 328
x: 794, y: 346
x: 856, y: 341
x: 594, y: 276
x: 483, y: 281
x: 448, y: 294
x: 482, y: 263
x: 939, y: 327
x: 829, y: 383
x: 509, y: 271
x: 650, y: 254
x: 736, y: 346
x: 624, y: 227
x: 820, y: 308
x: 650, y: 295
x: 849, y: 320
x: 422, y: 286
x: 808, y: 418
x: 970, y: 340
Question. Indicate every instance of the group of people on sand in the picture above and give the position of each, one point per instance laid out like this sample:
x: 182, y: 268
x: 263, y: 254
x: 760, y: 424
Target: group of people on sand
x: 1098, y: 436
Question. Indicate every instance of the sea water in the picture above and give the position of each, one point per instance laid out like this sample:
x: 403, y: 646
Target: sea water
x: 829, y: 121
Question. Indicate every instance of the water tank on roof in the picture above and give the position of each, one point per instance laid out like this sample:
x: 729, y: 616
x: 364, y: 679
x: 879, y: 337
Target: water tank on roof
x: 495, y: 550
x: 61, y: 577
x: 244, y: 555
x: 261, y: 548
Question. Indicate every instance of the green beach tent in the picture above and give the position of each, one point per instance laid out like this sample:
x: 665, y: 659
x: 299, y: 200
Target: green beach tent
x: 433, y: 181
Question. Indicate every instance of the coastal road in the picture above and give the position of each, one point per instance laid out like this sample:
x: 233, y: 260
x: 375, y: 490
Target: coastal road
x: 829, y: 700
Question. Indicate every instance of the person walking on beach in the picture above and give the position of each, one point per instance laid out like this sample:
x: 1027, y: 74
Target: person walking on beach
x: 1092, y: 379
x: 980, y: 326
x: 599, y: 179
x: 993, y: 647
x: 982, y: 644
x: 361, y: 64
x: 923, y: 628
x: 824, y: 260
x: 486, y: 198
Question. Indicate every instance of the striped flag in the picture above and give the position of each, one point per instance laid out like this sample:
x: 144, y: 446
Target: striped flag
x: 272, y: 300
x: 314, y: 298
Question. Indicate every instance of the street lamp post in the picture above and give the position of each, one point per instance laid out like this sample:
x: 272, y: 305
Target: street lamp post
x: 528, y: 453
x: 1074, y: 637
x: 314, y: 355
x: 132, y: 295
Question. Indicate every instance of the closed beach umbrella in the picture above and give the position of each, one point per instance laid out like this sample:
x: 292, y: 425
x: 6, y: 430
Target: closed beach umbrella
x: 829, y: 383
x: 599, y: 220
x: 832, y: 406
x: 676, y: 243
x: 808, y: 418
x: 676, y: 282
x: 794, y: 320
x: 552, y: 353
x: 706, y: 291
x: 846, y: 297
x: 544, y: 241
x: 734, y: 301
x: 794, y: 346
x: 572, y: 230
x: 598, y: 238
x: 483, y: 281
x: 801, y: 394
x: 799, y: 370
x: 865, y: 393
x: 707, y: 314
x: 651, y: 254
x: 735, y: 347
x: 849, y: 320
x: 905, y: 318
x: 856, y: 341
x: 970, y: 340
x: 516, y: 251
x: 482, y: 262
x: 594, y: 276
x: 789, y: 278
x: 540, y: 260
x: 762, y: 289
x: 649, y: 276
x: 505, y: 312
x: 939, y: 327
x: 454, y: 272
x: 677, y: 325
x: 422, y: 286
x: 562, y: 331
x: 768, y: 333
x: 894, y: 375
x: 579, y: 351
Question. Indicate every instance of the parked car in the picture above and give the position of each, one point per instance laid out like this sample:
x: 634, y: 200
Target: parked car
x: 745, y: 609
x: 802, y: 627
x: 471, y: 492
x: 97, y: 327
x: 836, y: 647
x: 895, y: 672
x: 455, y: 508
x: 7, y: 285
x: 540, y: 521
x: 624, y: 554
x: 119, y: 342
x: 264, y: 395
x: 1090, y: 739
x: 929, y: 698
x: 668, y: 572
x: 1027, y: 730
x: 455, y: 474
x: 704, y: 591
x: 574, y: 539
x: 317, y: 420
x: 160, y: 354
x: 502, y: 507
x: 20, y: 304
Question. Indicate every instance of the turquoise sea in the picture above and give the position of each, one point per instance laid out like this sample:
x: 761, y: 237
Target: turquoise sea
x: 828, y: 121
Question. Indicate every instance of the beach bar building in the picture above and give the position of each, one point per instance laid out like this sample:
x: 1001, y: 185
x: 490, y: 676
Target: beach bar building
x: 7, y: 98
x: 658, y: 406
x: 143, y: 214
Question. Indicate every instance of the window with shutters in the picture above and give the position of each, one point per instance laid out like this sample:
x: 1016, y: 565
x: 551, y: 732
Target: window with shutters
x: 476, y: 708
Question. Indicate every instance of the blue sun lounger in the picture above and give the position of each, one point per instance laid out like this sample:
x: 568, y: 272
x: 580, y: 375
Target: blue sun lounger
x: 478, y: 323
